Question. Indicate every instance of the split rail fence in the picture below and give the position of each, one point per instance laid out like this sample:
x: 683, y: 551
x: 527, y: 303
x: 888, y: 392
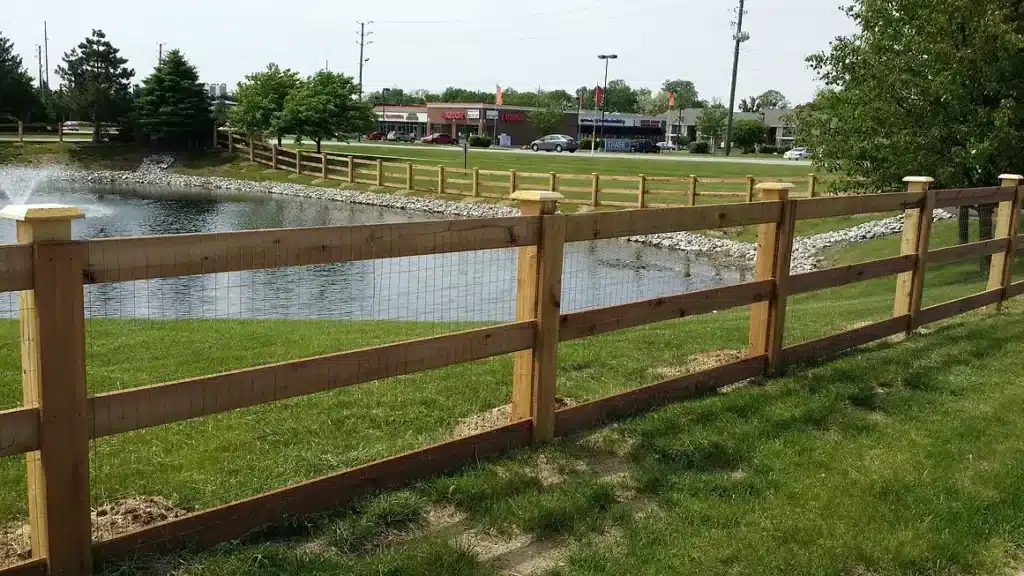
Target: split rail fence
x: 59, y: 419
x: 640, y: 191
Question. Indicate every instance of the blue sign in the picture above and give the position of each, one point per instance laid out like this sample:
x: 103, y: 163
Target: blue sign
x: 618, y: 145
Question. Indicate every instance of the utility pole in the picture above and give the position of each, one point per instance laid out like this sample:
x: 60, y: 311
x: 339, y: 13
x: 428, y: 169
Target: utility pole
x: 160, y: 53
x: 363, y: 42
x: 46, y: 53
x: 740, y: 37
x: 39, y: 60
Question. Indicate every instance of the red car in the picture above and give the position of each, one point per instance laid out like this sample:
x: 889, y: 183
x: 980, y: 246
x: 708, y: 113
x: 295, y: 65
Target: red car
x: 376, y: 136
x: 437, y: 139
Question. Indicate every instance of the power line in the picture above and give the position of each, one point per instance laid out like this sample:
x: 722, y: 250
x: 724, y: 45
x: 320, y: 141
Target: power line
x: 362, y: 48
x: 740, y: 37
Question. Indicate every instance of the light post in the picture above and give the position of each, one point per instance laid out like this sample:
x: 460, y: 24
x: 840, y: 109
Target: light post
x: 604, y: 99
x: 384, y: 101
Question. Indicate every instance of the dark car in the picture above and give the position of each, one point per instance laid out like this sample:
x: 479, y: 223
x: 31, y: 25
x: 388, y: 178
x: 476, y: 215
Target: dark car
x: 555, y: 143
x: 375, y: 136
x: 645, y: 147
x: 437, y: 139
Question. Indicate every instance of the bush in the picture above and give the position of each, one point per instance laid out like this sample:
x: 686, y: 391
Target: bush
x: 480, y: 141
x: 585, y: 144
x: 769, y: 150
x: 699, y: 148
x: 682, y: 141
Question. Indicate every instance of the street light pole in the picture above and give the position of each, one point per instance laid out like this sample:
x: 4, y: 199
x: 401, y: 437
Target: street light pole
x: 384, y: 105
x: 604, y: 100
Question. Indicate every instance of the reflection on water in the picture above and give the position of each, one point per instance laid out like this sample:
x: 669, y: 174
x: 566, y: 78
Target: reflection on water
x: 477, y: 285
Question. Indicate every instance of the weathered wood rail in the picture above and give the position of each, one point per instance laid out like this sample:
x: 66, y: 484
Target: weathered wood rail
x: 54, y: 427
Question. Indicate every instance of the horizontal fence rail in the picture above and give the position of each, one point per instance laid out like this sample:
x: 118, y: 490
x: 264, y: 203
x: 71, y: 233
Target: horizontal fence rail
x: 52, y: 276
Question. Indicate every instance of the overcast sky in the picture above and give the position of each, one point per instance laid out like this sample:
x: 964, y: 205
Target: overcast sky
x: 467, y: 43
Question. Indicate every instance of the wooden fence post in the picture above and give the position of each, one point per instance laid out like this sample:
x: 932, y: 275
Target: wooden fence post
x: 323, y: 165
x: 380, y: 172
x: 60, y: 131
x: 351, y: 170
x: 298, y: 161
x: 252, y: 156
x: 408, y: 176
x: 476, y: 181
x: 216, y: 138
x: 21, y: 131
x: 751, y: 182
x: 595, y: 189
x: 917, y: 227
x: 511, y: 182
x: 774, y: 250
x: 693, y: 190
x: 53, y: 381
x: 231, y: 142
x: 641, y: 191
x: 538, y: 297
x: 552, y: 182
x: 812, y: 186
x: 440, y: 179
x: 273, y: 156
x: 1000, y: 273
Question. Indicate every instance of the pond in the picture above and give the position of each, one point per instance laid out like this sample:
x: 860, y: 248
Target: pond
x: 469, y: 286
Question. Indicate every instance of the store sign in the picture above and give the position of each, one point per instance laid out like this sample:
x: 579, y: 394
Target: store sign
x: 492, y: 114
x: 618, y: 145
x: 402, y: 116
x: 473, y: 114
x: 513, y: 116
x: 650, y: 123
x: 414, y: 117
x: 607, y: 121
x: 455, y: 115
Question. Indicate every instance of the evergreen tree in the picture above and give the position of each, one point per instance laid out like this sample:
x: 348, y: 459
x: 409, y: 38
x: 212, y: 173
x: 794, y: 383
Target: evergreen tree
x: 173, y: 108
x: 96, y: 82
x: 18, y: 98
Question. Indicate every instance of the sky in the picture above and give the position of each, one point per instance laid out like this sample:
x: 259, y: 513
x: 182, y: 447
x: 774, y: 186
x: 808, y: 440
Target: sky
x: 478, y: 44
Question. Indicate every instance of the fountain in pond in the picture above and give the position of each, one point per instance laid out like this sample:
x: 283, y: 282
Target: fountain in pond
x: 17, y: 183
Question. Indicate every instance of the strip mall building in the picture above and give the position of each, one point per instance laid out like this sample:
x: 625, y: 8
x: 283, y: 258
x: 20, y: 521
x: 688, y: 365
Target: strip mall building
x: 511, y: 121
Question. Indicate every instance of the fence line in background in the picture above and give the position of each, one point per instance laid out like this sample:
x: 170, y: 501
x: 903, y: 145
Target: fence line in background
x: 584, y: 189
x: 54, y: 427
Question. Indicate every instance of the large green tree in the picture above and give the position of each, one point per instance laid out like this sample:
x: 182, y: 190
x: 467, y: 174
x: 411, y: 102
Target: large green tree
x: 748, y: 133
x: 549, y: 120
x: 923, y: 88
x: 326, y: 105
x: 260, y: 102
x: 711, y: 123
x: 96, y: 82
x: 685, y: 91
x: 768, y: 100
x: 18, y: 98
x: 173, y: 108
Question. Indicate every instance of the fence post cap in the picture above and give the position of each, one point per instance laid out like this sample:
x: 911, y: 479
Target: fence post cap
x: 39, y: 212
x: 536, y: 196
x: 775, y: 186
x: 1016, y: 177
x: 919, y: 180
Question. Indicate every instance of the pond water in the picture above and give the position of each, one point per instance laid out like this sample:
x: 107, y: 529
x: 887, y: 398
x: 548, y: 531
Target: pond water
x: 469, y: 286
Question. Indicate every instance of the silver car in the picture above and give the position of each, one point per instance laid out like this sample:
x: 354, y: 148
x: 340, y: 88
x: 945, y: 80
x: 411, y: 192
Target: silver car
x: 555, y: 143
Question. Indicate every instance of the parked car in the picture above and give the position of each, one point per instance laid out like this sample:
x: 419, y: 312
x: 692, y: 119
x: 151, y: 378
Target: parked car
x: 375, y: 136
x: 399, y: 137
x: 797, y: 154
x: 71, y: 126
x: 667, y: 146
x: 440, y: 138
x: 645, y: 147
x: 555, y: 143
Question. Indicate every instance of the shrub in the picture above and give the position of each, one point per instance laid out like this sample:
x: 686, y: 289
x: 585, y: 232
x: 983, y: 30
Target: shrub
x: 682, y: 141
x: 480, y: 141
x: 699, y: 148
x: 769, y: 150
x: 585, y: 144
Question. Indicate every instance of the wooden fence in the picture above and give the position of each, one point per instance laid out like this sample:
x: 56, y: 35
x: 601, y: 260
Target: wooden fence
x: 54, y: 427
x: 640, y: 191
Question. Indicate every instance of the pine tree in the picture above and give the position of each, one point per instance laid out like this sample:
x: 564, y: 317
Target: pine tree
x: 96, y: 81
x: 173, y: 108
x: 17, y: 96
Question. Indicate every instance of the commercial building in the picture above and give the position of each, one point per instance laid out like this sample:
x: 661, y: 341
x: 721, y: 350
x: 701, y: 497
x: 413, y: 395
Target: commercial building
x: 621, y: 126
x: 684, y: 122
x: 408, y: 119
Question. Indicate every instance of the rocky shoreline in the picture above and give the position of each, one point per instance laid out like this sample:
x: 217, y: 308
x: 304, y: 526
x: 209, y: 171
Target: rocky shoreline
x: 806, y: 250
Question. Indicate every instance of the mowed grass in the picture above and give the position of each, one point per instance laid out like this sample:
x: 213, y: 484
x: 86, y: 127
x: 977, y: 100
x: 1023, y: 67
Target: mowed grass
x: 898, y: 458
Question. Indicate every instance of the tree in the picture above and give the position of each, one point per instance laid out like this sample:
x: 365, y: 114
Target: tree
x: 685, y: 91
x: 17, y: 96
x: 711, y: 123
x: 771, y: 100
x: 620, y: 97
x: 326, y: 106
x: 748, y: 133
x: 923, y: 88
x: 173, y: 108
x: 751, y: 104
x: 548, y: 120
x: 396, y: 97
x: 96, y: 82
x: 260, y: 102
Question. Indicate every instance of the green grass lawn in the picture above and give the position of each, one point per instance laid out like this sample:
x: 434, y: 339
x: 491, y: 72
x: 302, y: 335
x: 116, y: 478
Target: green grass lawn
x: 894, y: 459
